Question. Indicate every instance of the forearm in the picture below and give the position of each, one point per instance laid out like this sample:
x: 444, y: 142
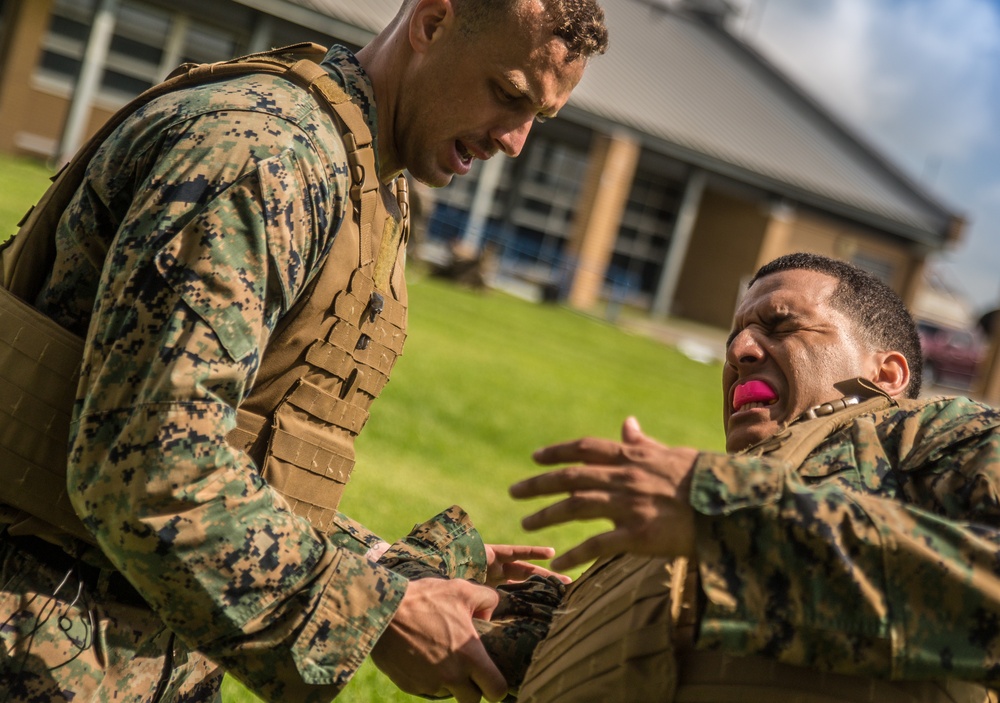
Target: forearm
x: 232, y: 572
x: 839, y: 580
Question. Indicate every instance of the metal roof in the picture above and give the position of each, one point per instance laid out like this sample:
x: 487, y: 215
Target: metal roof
x: 693, y: 91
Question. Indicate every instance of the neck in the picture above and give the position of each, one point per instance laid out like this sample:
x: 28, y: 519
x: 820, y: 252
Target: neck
x: 380, y: 59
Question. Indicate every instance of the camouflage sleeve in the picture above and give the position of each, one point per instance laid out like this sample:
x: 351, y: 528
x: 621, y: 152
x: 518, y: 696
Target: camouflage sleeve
x: 446, y: 546
x: 235, y: 213
x: 879, y: 557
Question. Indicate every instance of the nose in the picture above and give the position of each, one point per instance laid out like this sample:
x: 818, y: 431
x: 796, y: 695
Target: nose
x: 744, y: 349
x: 511, y: 138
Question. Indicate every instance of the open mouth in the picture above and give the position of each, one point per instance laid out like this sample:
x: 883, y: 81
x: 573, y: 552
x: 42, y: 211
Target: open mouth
x: 463, y: 153
x: 752, y: 395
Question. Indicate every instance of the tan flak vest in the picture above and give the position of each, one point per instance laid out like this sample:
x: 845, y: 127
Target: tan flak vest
x: 623, y: 633
x: 323, y: 366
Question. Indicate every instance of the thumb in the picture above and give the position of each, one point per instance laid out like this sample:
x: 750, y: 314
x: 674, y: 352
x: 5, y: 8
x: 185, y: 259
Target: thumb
x: 631, y: 432
x: 481, y: 600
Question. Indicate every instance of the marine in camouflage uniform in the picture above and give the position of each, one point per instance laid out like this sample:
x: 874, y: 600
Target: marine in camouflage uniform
x: 193, y: 184
x: 878, y: 555
x: 200, y: 223
x: 850, y: 553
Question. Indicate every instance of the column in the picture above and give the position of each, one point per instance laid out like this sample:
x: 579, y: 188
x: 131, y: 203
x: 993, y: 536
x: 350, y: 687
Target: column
x: 610, y: 170
x: 29, y: 20
x: 988, y: 384
x: 680, y: 239
x: 173, y: 50
x: 914, y: 279
x: 263, y: 30
x: 777, y: 234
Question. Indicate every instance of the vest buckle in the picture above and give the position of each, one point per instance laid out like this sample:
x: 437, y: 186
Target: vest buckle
x: 376, y: 304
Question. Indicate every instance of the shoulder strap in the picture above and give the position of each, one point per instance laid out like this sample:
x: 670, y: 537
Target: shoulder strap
x: 796, y: 442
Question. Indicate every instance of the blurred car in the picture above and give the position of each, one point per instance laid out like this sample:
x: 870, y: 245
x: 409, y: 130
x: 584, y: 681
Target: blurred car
x: 952, y: 357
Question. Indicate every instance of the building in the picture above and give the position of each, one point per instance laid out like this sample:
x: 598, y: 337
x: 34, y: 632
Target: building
x: 683, y: 161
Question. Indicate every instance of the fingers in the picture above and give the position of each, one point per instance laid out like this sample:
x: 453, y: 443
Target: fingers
x: 431, y: 647
x: 631, y: 432
x: 505, y: 563
x: 572, y: 478
x: 485, y: 675
x: 480, y: 600
x: 521, y: 570
x: 514, y: 552
x: 589, y: 450
x: 581, y: 505
x: 605, y: 544
x: 477, y: 677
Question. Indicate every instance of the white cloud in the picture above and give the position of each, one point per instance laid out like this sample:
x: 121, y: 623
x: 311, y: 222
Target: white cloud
x: 921, y: 78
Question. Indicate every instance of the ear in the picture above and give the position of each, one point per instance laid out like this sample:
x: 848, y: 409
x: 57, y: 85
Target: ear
x: 429, y: 21
x: 892, y: 373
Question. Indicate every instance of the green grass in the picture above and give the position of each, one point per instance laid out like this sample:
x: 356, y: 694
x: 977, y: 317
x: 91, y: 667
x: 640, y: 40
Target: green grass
x: 22, y: 182
x: 486, y: 379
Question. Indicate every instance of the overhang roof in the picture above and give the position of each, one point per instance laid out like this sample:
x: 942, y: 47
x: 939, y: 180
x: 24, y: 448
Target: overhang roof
x: 691, y: 90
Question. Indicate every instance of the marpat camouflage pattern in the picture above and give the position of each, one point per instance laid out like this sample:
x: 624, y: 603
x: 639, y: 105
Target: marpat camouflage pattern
x: 169, y: 261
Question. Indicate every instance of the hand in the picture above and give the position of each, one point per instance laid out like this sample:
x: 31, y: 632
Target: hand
x: 504, y: 565
x: 642, y: 486
x: 431, y: 647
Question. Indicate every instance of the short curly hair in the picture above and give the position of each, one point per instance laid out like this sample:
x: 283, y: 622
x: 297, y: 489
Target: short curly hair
x: 878, y: 313
x: 579, y: 23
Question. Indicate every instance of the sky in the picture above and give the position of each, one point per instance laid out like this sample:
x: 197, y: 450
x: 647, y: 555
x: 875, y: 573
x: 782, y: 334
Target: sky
x: 919, y: 79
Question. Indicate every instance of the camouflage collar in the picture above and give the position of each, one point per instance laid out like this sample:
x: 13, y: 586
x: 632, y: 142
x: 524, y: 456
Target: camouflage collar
x: 343, y: 67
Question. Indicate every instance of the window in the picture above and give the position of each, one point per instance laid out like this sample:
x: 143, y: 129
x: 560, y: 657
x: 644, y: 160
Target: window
x: 147, y: 42
x: 544, y: 203
x: 643, y: 237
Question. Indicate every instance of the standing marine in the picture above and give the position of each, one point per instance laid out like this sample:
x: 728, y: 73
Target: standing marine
x: 203, y: 310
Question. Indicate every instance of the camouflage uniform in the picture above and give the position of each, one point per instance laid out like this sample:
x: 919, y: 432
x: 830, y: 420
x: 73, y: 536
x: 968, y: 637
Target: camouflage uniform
x: 168, y: 260
x: 879, y: 555
x: 831, y: 557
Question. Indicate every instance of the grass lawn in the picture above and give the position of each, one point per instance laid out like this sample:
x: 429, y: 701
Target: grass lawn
x: 487, y: 378
x: 22, y: 182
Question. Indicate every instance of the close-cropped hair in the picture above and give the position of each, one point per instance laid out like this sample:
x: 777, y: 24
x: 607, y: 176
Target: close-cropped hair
x: 579, y: 23
x: 879, y: 315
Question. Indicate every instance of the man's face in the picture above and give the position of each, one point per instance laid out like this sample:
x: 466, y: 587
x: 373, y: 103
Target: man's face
x: 788, y: 348
x: 469, y: 96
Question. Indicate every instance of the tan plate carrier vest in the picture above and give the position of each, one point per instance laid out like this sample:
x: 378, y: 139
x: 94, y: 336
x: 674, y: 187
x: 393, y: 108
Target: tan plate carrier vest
x: 324, y: 365
x: 623, y: 632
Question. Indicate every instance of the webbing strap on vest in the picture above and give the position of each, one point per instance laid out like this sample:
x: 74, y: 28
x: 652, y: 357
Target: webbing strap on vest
x: 39, y: 360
